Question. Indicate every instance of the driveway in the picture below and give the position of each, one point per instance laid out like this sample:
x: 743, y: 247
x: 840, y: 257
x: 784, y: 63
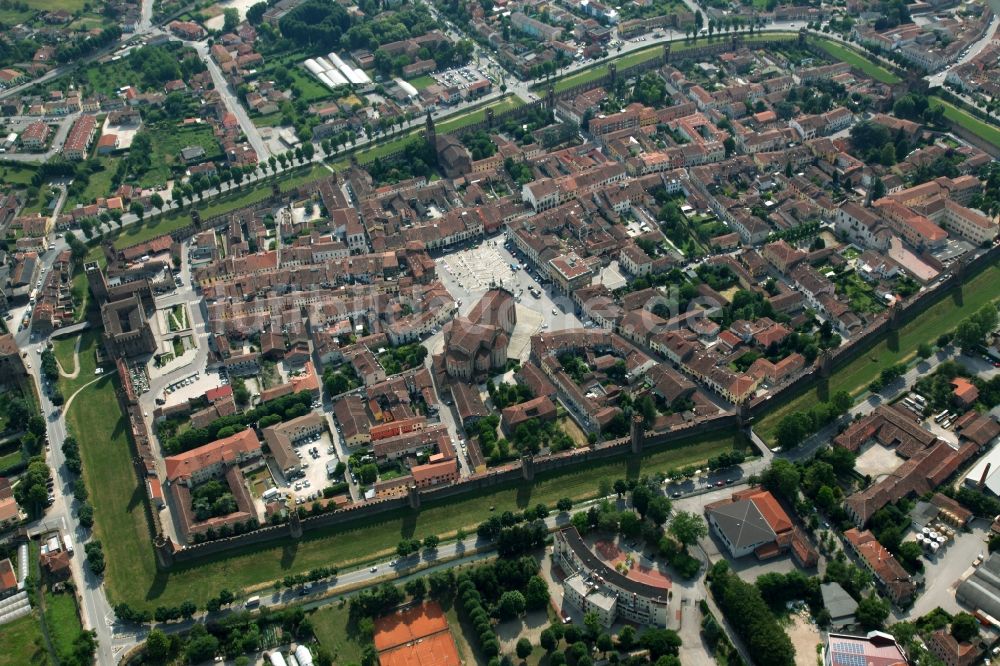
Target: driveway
x: 943, y: 573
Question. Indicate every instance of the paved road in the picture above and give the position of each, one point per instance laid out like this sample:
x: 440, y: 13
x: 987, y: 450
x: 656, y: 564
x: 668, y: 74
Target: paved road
x: 230, y: 100
x: 95, y: 610
x: 937, y: 78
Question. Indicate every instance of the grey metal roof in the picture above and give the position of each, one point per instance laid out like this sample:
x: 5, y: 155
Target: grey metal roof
x: 742, y: 523
x: 981, y: 590
x: 840, y: 604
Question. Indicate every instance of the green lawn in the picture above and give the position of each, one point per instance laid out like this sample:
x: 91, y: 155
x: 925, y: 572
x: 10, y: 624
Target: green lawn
x: 99, y: 184
x: 120, y: 519
x: 16, y: 174
x: 72, y: 6
x: 62, y: 620
x: 121, y: 523
x: 382, y: 149
x: 13, y: 459
x: 23, y: 643
x: 855, y: 59
x: 63, y: 348
x: 940, y: 318
x: 330, y: 627
x: 985, y: 131
x: 422, y: 82
x: 81, y: 294
x: 14, y: 16
x: 505, y: 104
x: 168, y: 141
x: 269, y: 120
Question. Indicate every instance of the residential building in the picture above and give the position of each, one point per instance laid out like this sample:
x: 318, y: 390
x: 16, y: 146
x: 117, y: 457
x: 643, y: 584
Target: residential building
x: 80, y: 135
x: 212, y: 460
x: 890, y: 575
x: 593, y: 585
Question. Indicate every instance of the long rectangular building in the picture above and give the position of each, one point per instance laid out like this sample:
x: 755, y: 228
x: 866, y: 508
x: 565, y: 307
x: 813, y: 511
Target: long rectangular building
x: 80, y: 135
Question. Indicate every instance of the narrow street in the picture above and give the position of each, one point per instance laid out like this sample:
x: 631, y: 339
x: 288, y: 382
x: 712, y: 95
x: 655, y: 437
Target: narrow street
x: 95, y: 611
x: 231, y: 102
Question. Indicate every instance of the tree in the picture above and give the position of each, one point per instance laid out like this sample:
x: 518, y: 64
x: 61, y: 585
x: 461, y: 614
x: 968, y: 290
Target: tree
x: 188, y: 609
x: 641, y: 496
x: 536, y: 593
x: 548, y: 640
x: 255, y: 13
x: 782, y: 477
x: 368, y: 473
x: 137, y: 209
x: 564, y: 504
x: 626, y: 638
x: 964, y: 627
x: 416, y: 588
x: 157, y: 645
x: 156, y: 201
x: 658, y: 510
x: 201, y: 647
x: 523, y: 648
x: 231, y: 19
x: 872, y: 612
x: 688, y: 527
x: 660, y: 642
x: 511, y: 605
x: 629, y: 524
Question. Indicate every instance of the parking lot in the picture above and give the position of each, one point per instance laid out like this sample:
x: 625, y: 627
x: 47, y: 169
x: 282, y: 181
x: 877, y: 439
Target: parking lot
x: 314, y: 452
x: 459, y: 76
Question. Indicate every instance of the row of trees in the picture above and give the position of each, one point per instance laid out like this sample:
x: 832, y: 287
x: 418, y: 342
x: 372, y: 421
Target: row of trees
x: 751, y: 618
x: 232, y: 637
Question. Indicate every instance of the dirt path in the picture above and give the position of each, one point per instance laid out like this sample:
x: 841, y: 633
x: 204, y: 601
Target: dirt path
x: 76, y: 362
x: 69, y: 401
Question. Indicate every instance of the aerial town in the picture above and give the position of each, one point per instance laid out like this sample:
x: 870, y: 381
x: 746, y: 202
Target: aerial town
x: 500, y: 332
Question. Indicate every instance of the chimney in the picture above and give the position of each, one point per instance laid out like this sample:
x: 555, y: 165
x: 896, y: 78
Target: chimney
x: 986, y: 472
